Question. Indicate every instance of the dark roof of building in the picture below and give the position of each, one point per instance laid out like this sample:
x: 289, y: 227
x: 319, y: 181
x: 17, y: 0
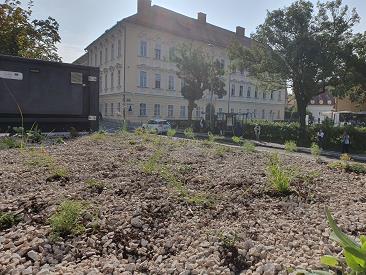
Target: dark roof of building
x: 160, y: 18
x: 323, y: 99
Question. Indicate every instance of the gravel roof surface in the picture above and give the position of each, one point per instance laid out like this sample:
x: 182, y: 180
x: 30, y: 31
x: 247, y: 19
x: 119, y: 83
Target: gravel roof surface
x: 170, y: 207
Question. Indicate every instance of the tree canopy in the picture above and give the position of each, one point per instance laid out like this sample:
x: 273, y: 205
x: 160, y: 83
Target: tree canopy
x: 21, y: 35
x: 304, y: 47
x: 198, y: 74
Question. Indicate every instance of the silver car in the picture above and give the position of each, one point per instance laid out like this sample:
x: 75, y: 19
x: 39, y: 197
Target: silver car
x: 161, y: 126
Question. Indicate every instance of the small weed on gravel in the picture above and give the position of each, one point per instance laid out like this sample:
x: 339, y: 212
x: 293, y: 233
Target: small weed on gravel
x: 290, y: 146
x: 9, y: 143
x: 67, y: 219
x: 248, y: 146
x: 98, y: 136
x: 95, y: 185
x: 220, y: 150
x: 188, y: 133
x: 152, y: 164
x: 236, y: 140
x: 279, y: 177
x: 7, y: 220
x: 315, y: 151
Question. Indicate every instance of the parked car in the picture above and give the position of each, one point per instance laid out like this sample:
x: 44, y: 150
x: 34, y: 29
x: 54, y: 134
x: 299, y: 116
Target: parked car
x: 161, y: 126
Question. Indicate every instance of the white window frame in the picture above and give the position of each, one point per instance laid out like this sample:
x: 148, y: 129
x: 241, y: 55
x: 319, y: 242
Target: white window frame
x: 143, y: 109
x: 171, y: 82
x: 143, y: 79
x: 143, y: 48
x: 157, y: 80
x: 170, y: 110
x: 156, y: 110
x: 182, y: 111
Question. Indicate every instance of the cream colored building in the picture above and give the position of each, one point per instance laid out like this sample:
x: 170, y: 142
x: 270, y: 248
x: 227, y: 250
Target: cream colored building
x: 138, y: 80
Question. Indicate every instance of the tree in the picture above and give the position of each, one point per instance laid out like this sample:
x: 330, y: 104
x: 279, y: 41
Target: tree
x: 198, y: 75
x: 301, y: 48
x: 20, y: 35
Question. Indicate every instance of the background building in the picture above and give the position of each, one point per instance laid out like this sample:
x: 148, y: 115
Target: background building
x: 138, y: 79
x: 321, y: 107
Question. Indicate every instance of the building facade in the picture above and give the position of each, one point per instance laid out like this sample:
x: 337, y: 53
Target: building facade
x: 321, y: 107
x: 138, y: 78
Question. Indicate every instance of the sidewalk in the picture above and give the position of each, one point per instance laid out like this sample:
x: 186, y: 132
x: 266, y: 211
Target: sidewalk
x: 325, y: 153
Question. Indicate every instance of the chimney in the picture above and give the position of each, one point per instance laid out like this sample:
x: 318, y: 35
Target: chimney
x: 143, y: 5
x: 201, y: 17
x: 240, y: 31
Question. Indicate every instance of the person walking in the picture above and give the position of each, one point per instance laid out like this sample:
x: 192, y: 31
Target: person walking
x: 346, y: 141
x: 320, y: 136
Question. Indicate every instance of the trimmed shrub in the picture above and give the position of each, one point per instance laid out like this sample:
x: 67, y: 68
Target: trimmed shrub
x: 290, y: 146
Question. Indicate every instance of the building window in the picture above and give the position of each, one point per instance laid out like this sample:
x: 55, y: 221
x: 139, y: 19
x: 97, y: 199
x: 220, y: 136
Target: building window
x: 157, y: 81
x: 232, y: 110
x: 106, y: 55
x: 198, y: 111
x: 112, y: 111
x: 143, y: 109
x: 271, y: 95
x: 232, y: 89
x: 263, y: 114
x: 279, y: 96
x: 119, y: 50
x: 256, y: 92
x: 106, y: 81
x: 158, y: 52
x: 119, y: 107
x: 143, y: 79
x: 220, y: 110
x: 112, y: 52
x: 172, y: 54
x: 278, y: 114
x: 241, y: 91
x: 157, y: 110
x: 105, y: 109
x: 255, y: 113
x: 170, y: 110
x: 119, y: 77
x: 100, y: 58
x: 171, y: 82
x: 182, y: 111
x: 249, y: 91
x: 95, y: 59
x: 143, y: 48
x: 264, y: 95
x: 112, y: 79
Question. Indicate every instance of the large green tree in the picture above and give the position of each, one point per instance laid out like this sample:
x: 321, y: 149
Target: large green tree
x: 198, y: 74
x: 21, y: 35
x: 301, y: 47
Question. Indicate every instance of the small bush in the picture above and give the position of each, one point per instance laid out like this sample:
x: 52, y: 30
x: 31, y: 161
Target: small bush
x: 236, y: 139
x: 173, y: 181
x: 315, y: 150
x: 188, y: 133
x: 248, y: 146
x: 211, y: 137
x: 290, y: 146
x: 9, y: 143
x: 221, y: 150
x: 7, y: 220
x: 67, y: 219
x: 95, y: 185
x: 228, y: 239
x: 171, y: 132
x: 279, y: 178
x: 356, y: 168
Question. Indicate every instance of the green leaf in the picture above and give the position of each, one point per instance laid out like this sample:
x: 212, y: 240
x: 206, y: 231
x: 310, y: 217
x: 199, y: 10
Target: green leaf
x: 329, y: 261
x: 358, y: 256
x: 363, y: 239
x: 345, y: 241
x: 351, y: 262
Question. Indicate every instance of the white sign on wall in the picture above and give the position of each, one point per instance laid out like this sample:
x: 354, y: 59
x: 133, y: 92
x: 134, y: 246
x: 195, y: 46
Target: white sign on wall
x: 11, y: 75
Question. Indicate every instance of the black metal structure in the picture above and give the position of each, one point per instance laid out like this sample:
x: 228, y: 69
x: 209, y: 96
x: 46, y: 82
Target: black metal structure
x: 54, y: 96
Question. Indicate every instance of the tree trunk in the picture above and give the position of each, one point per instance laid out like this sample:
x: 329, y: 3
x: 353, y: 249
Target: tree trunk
x: 190, y: 110
x: 301, y: 108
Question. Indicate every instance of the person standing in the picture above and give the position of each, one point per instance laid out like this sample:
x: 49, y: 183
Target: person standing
x: 257, y: 131
x: 346, y: 141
